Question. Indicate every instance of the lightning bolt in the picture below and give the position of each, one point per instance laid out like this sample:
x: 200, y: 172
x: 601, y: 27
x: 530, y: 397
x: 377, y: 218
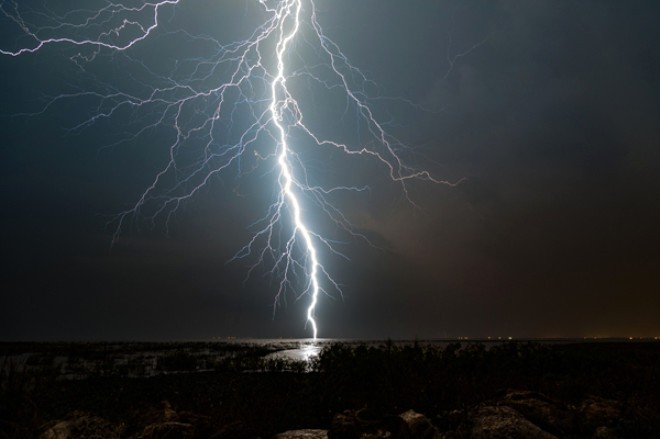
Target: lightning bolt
x: 277, y: 106
x: 216, y: 125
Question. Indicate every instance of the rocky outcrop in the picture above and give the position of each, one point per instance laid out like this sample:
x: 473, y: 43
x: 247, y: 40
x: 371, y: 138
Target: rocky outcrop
x: 168, y: 423
x: 514, y: 414
x: 365, y: 424
x: 503, y: 422
x: 419, y: 426
x: 525, y: 414
x: 82, y: 425
x: 549, y: 414
x: 598, y: 412
x: 303, y: 434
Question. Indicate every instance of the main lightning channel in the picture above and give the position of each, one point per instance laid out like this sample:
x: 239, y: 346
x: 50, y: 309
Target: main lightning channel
x: 277, y: 107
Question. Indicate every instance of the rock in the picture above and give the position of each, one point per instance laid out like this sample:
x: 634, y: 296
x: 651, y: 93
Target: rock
x: 169, y: 413
x: 82, y: 425
x: 61, y: 430
x: 599, y: 411
x: 170, y: 424
x: 234, y: 430
x: 419, y: 425
x: 448, y: 421
x: 502, y: 422
x: 303, y: 434
x: 455, y: 417
x: 364, y: 424
x: 167, y: 429
x: 603, y: 432
x: 542, y: 411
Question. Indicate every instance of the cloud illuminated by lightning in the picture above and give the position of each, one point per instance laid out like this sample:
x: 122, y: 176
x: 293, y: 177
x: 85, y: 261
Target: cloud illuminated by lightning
x: 229, y: 111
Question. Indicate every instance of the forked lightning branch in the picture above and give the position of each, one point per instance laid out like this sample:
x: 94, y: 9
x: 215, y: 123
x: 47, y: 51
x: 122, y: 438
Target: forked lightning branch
x: 233, y: 106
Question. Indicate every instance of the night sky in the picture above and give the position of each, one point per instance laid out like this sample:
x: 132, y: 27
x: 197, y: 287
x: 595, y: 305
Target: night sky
x: 553, y: 120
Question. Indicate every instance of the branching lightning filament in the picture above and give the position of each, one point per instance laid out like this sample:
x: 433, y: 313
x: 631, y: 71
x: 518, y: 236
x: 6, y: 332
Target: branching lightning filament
x: 241, y: 107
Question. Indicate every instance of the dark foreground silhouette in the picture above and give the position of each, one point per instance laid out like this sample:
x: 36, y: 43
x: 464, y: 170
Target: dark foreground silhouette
x: 602, y: 390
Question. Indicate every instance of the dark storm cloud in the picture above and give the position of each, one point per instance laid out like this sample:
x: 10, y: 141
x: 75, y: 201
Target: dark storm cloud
x: 552, y: 120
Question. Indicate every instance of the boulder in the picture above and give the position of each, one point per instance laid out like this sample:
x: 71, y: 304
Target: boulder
x: 603, y: 432
x: 598, y: 411
x: 547, y: 413
x: 364, y: 424
x: 167, y: 429
x: 234, y: 430
x: 503, y: 422
x: 170, y: 424
x: 303, y: 434
x: 419, y: 425
x: 82, y: 425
